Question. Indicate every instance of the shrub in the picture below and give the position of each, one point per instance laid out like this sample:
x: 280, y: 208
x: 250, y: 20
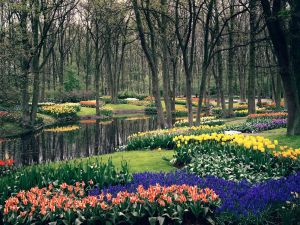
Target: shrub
x: 150, y: 110
x: 107, y: 100
x: 73, y: 96
x: 128, y: 94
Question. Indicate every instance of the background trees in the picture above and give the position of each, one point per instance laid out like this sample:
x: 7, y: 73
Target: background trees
x: 163, y: 48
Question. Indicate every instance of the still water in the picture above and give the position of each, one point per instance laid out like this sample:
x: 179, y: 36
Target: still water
x: 86, y: 138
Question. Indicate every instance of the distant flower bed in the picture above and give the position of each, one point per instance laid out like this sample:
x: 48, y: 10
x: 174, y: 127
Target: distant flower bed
x: 90, y: 103
x: 10, y: 117
x: 272, y: 105
x: 206, y: 120
x: 69, y: 203
x: 65, y: 110
x: 272, y: 115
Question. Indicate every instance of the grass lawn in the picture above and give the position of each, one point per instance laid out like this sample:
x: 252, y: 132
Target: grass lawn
x: 86, y: 111
x: 283, y: 139
x: 138, y: 161
x: 142, y: 161
x: 234, y: 120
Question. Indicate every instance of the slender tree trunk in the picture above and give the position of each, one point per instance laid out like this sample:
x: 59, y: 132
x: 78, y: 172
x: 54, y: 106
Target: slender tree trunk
x: 35, y: 65
x: 25, y: 67
x: 251, y: 77
x: 230, y: 60
x: 165, y: 65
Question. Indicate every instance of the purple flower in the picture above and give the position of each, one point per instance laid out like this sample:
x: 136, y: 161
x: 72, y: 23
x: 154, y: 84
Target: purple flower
x: 238, y: 198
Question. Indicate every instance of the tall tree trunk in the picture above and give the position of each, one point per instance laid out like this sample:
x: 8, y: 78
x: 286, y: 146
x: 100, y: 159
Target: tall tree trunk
x: 230, y: 60
x: 35, y: 64
x: 251, y: 77
x: 205, y: 63
x: 165, y: 64
x: 97, y: 68
x: 25, y: 67
x: 288, y: 56
x: 150, y: 52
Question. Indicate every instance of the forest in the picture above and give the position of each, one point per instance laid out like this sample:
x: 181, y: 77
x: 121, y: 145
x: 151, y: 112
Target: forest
x: 150, y: 112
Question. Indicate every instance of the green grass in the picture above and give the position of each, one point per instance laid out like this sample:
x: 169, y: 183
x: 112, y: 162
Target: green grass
x: 283, y: 139
x: 138, y: 161
x: 142, y: 161
x: 235, y: 120
x: 86, y: 111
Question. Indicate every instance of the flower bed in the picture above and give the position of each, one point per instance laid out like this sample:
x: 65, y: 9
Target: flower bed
x: 207, y: 120
x: 61, y: 111
x: 241, y: 202
x: 235, y: 157
x: 274, y: 115
x: 68, y: 204
x: 163, y: 138
x: 102, y: 173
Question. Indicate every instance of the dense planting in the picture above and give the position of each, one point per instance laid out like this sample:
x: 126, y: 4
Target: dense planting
x: 163, y: 138
x: 66, y: 111
x: 69, y: 204
x: 241, y: 202
x: 235, y: 157
x: 70, y: 172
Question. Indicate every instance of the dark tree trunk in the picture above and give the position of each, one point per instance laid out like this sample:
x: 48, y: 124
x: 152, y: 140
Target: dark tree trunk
x: 288, y: 56
x: 251, y: 77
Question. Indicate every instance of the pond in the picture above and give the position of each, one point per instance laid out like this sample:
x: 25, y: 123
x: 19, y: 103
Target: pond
x: 86, y: 138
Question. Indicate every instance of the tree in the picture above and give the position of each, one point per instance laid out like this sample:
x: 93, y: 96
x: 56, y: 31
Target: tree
x: 150, y: 50
x: 284, y: 33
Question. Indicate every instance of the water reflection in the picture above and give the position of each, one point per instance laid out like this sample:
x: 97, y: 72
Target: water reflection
x: 73, y: 141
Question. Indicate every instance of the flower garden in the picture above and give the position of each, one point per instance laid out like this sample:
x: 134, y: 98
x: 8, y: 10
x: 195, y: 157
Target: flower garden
x: 218, y: 173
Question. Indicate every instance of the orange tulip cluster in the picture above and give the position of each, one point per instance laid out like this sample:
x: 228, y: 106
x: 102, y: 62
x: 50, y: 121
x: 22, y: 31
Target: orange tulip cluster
x: 38, y: 202
x: 271, y: 115
x: 88, y: 103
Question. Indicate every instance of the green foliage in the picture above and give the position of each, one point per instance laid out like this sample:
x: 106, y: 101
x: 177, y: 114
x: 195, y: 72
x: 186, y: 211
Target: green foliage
x: 151, y: 110
x: 108, y: 100
x: 103, y: 174
x: 72, y: 81
x: 131, y: 94
x: 74, y: 96
x: 232, y: 162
